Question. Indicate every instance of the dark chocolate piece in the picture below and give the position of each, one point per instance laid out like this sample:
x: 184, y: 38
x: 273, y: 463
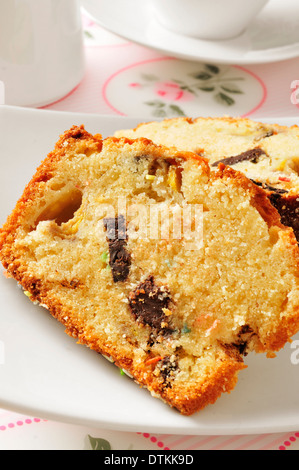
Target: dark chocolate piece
x: 147, y: 302
x: 267, y: 134
x: 288, y: 208
x: 252, y: 155
x: 120, y: 258
x: 266, y: 187
x: 168, y: 366
x: 239, y: 348
x: 232, y: 351
x: 244, y: 335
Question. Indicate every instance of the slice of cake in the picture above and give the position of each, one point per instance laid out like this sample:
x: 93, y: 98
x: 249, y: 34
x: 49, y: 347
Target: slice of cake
x: 173, y: 271
x: 268, y: 154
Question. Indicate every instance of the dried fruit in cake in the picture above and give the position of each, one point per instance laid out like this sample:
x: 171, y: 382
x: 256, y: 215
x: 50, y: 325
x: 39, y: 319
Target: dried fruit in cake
x: 95, y: 239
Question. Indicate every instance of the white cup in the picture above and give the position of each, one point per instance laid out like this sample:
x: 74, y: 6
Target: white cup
x: 41, y: 50
x: 207, y: 19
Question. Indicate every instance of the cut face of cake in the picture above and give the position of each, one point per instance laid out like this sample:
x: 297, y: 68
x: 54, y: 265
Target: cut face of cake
x: 268, y: 154
x: 147, y: 256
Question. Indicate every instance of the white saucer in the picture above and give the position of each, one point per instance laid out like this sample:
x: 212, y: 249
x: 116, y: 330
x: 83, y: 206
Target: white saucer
x: 273, y: 36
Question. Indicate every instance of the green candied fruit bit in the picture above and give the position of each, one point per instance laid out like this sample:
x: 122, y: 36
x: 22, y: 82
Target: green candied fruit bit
x: 186, y: 329
x: 105, y: 259
x: 105, y: 256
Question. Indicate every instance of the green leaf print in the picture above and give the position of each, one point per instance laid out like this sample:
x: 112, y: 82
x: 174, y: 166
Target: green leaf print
x: 220, y: 82
x: 176, y: 110
x: 99, y: 444
x: 212, y: 68
x: 224, y: 99
x: 231, y: 88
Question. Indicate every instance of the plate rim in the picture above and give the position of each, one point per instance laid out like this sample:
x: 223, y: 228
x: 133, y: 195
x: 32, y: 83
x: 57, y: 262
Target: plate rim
x: 287, y: 52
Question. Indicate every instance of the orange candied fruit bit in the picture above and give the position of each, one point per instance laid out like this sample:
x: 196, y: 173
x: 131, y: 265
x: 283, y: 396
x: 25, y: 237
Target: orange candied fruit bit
x: 153, y: 360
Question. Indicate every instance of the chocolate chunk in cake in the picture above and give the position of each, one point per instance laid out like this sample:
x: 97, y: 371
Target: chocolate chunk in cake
x: 149, y: 304
x: 288, y: 208
x: 266, y: 187
x: 252, y: 155
x: 120, y: 258
x: 168, y: 367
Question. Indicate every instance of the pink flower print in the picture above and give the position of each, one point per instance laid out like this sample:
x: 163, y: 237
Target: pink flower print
x: 171, y: 91
x: 87, y: 23
x: 135, y: 85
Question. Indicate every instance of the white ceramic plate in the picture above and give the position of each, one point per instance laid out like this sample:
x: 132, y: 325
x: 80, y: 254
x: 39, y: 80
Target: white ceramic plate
x: 44, y: 373
x: 273, y: 36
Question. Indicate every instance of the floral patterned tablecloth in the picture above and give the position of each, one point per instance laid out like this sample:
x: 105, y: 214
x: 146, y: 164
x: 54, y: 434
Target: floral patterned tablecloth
x: 126, y: 79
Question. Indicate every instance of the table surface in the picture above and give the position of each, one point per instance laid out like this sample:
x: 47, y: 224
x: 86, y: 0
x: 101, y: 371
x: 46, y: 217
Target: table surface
x: 127, y: 79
